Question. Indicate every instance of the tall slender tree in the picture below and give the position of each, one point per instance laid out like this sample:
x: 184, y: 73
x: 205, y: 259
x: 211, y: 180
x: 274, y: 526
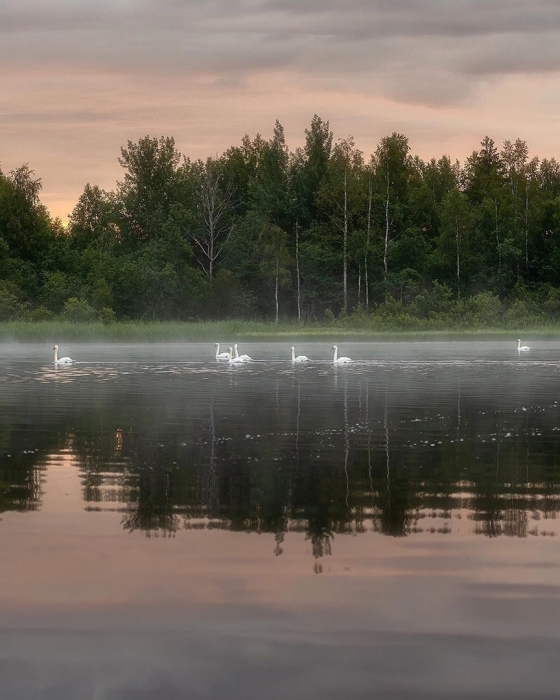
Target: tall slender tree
x: 341, y: 195
x: 392, y: 171
x: 214, y: 221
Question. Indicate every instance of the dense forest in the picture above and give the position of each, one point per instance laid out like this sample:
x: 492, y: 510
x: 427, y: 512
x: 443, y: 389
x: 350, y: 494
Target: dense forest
x: 317, y: 234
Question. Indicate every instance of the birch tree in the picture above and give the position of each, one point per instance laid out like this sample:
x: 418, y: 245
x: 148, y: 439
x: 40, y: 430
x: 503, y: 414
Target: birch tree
x: 514, y: 158
x: 392, y: 165
x: 369, y: 187
x: 215, y: 214
x: 455, y: 224
x: 340, y: 195
x: 275, y: 260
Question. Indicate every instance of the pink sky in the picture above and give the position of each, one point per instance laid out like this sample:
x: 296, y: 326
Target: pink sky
x: 78, y: 81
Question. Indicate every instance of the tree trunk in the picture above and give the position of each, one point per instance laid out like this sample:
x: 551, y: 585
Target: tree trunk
x: 359, y: 283
x: 276, y: 290
x: 297, y: 274
x: 345, y: 266
x: 386, y: 246
x: 458, y: 242
x: 368, y: 231
x: 526, y: 227
x: 497, y: 235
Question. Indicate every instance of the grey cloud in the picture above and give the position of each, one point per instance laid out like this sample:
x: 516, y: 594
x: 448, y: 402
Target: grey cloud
x: 432, y: 17
x: 411, y: 50
x: 315, y: 17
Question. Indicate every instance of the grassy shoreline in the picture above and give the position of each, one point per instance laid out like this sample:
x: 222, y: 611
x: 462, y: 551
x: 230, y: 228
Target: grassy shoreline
x: 222, y: 331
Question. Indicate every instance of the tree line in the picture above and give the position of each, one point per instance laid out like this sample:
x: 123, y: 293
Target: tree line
x: 319, y: 233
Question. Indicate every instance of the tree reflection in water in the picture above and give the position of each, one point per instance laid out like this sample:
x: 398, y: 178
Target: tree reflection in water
x: 344, y: 455
x: 152, y: 509
x: 20, y: 483
x: 22, y: 460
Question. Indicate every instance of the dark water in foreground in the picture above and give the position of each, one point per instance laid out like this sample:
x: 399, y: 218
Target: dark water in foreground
x: 175, y: 528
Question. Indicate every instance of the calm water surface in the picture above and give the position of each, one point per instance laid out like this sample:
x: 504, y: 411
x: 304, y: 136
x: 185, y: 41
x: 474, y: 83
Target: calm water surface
x: 172, y: 528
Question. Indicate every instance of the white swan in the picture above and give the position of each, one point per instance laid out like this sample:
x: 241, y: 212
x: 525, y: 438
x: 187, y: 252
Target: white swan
x: 299, y: 358
x: 63, y: 360
x: 339, y: 360
x: 234, y: 360
x: 241, y: 358
x: 522, y: 348
x: 221, y: 355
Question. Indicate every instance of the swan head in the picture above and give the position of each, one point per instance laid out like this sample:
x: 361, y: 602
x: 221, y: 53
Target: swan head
x: 55, y: 347
x: 334, y: 347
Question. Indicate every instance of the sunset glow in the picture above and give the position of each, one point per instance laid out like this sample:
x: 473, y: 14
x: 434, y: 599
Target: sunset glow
x: 92, y: 77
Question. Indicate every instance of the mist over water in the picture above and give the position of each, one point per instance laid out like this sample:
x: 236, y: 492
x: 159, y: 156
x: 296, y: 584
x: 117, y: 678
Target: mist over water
x: 174, y: 525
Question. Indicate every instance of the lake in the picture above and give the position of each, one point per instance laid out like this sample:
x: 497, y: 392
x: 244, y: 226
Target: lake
x: 172, y: 527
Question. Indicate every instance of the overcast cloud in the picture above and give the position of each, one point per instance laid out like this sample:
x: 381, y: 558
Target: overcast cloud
x: 218, y: 68
x: 473, y: 38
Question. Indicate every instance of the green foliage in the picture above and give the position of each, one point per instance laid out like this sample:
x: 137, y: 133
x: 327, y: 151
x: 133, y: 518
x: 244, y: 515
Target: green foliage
x: 318, y: 233
x: 393, y: 313
x: 310, y: 171
x: 39, y: 313
x: 58, y: 287
x: 484, y: 309
x: 149, y: 187
x: 435, y: 303
x: 107, y: 315
x: 551, y: 304
x: 78, y: 310
x: 10, y: 307
x: 226, y: 297
x: 522, y: 314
